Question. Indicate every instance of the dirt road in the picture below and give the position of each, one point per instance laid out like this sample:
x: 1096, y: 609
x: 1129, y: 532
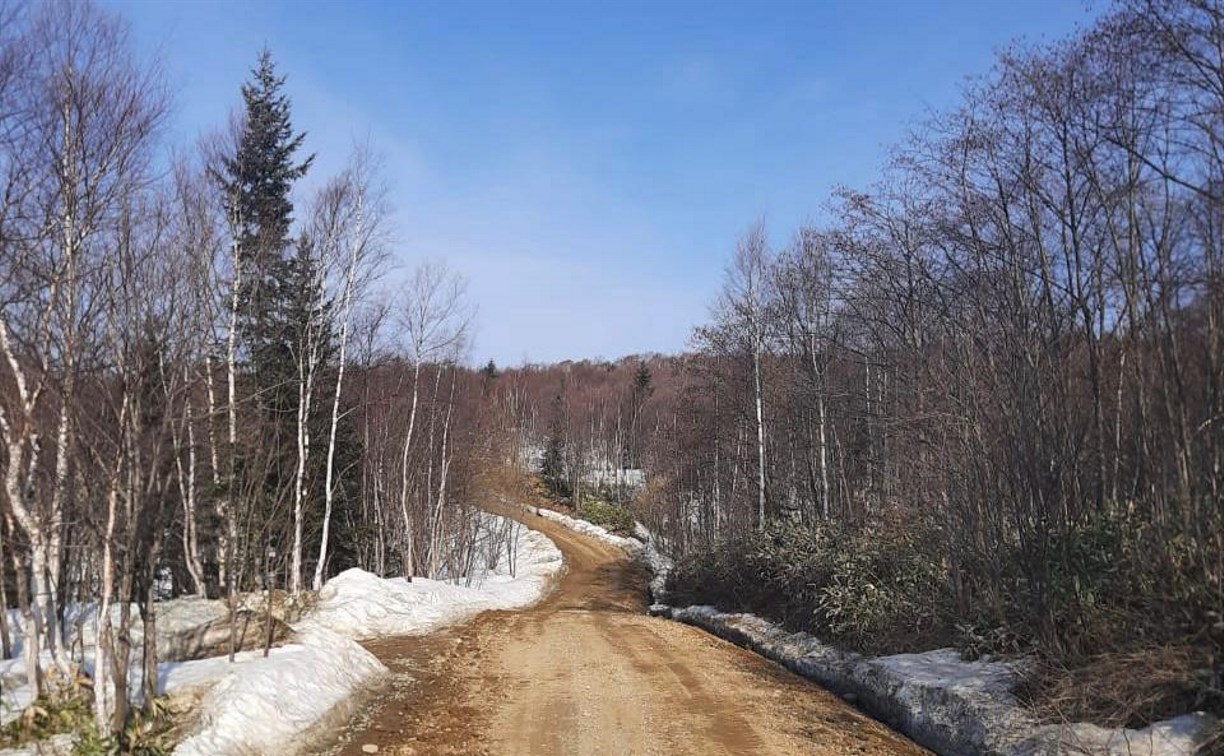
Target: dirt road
x: 586, y: 672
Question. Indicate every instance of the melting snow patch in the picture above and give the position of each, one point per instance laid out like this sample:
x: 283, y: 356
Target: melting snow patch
x: 631, y: 545
x: 948, y: 704
x: 261, y: 705
x: 266, y: 705
x: 361, y: 605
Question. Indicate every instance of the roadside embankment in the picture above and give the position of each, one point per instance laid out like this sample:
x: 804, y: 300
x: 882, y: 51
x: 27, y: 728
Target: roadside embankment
x: 938, y: 699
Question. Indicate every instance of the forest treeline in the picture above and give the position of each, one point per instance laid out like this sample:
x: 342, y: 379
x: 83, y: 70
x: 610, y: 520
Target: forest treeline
x: 980, y: 404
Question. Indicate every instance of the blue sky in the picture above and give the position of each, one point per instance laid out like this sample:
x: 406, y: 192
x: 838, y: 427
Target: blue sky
x: 589, y: 165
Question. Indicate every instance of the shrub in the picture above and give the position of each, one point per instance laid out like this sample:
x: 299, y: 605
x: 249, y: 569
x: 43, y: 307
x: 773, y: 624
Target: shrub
x: 1130, y: 689
x: 146, y: 733
x: 614, y: 517
x: 884, y: 590
x: 66, y: 711
x: 1120, y: 616
x: 863, y: 588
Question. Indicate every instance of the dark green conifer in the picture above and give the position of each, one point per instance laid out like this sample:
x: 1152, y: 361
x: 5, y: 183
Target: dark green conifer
x: 257, y: 182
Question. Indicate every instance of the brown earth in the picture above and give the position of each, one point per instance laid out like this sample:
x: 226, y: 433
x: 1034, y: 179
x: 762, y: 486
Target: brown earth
x: 587, y: 672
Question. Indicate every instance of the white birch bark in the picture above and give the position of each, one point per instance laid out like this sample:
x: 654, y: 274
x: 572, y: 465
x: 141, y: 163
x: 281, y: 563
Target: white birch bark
x: 357, y: 246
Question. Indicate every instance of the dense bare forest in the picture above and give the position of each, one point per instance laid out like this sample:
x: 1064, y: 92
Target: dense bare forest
x: 980, y: 404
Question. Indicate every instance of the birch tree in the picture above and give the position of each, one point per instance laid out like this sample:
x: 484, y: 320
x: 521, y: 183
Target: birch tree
x: 742, y: 327
x: 803, y: 280
x: 435, y: 319
x: 85, y: 117
x: 349, y: 220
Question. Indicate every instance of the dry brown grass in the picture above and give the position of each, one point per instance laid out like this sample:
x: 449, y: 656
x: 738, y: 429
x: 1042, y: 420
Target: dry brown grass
x: 1131, y: 689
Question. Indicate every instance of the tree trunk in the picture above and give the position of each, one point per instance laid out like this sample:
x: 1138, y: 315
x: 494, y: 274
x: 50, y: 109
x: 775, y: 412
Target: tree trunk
x: 329, y: 484
x: 187, y: 492
x: 404, y: 475
x: 104, y: 686
x: 6, y: 641
x: 760, y: 430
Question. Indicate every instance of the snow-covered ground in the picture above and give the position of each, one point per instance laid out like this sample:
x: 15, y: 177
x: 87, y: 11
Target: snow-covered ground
x: 360, y: 605
x: 261, y: 705
x: 630, y: 478
x: 178, y: 622
x: 597, y: 469
x: 631, y: 545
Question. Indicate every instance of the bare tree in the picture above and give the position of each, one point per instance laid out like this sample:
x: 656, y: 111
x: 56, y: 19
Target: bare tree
x: 350, y: 217
x: 435, y: 318
x: 742, y: 326
x: 85, y: 113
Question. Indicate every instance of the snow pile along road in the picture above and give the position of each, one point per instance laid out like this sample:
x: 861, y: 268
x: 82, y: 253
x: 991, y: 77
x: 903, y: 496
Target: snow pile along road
x: 263, y: 704
x: 269, y: 705
x: 179, y: 632
x: 361, y: 605
x: 948, y: 704
x: 631, y: 545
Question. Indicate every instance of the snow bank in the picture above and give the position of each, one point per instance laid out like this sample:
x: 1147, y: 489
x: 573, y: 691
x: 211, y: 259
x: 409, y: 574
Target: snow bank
x: 358, y: 604
x: 175, y: 618
x: 660, y: 564
x: 631, y: 545
x: 15, y: 692
x: 260, y: 706
x: 263, y: 705
x: 941, y: 701
x: 186, y: 628
x: 255, y: 696
x: 629, y: 478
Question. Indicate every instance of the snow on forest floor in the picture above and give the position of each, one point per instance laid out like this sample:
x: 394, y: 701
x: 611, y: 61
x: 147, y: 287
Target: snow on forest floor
x: 265, y: 705
x: 361, y: 605
x: 177, y: 618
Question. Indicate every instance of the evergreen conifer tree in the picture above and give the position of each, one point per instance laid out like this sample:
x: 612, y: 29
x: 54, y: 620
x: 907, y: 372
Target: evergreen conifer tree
x: 552, y: 468
x: 257, y: 182
x: 281, y: 310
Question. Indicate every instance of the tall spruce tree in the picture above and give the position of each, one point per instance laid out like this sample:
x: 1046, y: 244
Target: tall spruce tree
x: 278, y: 277
x: 257, y: 182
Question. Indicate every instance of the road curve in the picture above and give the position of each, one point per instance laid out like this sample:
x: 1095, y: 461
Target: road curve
x: 587, y: 672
